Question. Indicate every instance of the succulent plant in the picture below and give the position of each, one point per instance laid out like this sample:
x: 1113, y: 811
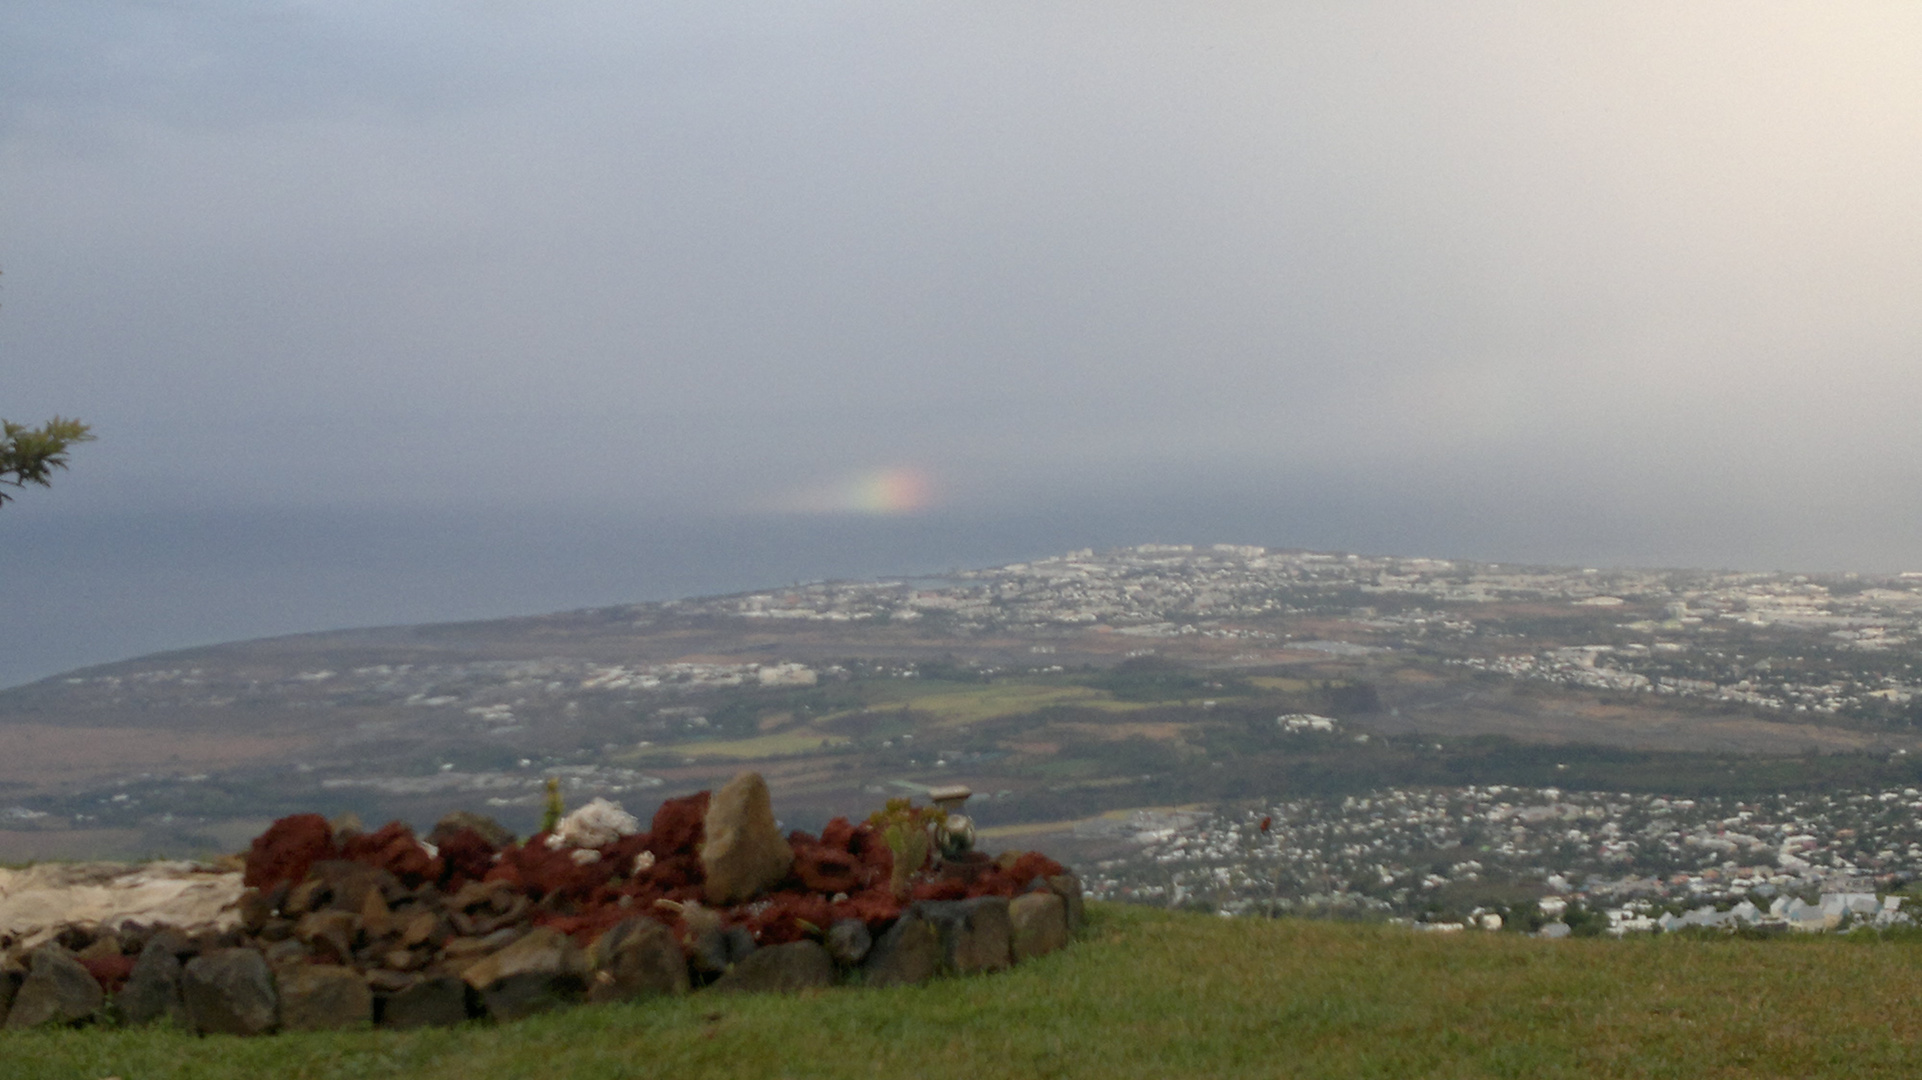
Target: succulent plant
x: 555, y: 809
x: 906, y: 828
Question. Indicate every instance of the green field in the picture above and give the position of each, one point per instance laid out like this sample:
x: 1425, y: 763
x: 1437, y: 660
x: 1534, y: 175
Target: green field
x: 780, y: 744
x: 1013, y: 697
x: 1151, y: 994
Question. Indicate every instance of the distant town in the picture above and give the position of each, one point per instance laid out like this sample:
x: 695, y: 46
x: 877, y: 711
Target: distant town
x: 1837, y: 645
x: 1155, y: 705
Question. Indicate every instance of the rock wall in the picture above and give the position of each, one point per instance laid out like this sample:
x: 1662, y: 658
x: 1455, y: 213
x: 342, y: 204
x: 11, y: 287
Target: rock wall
x: 330, y: 927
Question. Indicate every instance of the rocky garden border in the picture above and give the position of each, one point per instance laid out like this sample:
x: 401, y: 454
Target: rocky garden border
x: 340, y: 928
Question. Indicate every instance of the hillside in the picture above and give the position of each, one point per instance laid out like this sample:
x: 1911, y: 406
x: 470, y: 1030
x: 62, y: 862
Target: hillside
x: 1153, y: 995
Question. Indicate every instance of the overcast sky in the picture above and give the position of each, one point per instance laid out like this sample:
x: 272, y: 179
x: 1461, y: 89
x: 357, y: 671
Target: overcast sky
x: 1628, y: 283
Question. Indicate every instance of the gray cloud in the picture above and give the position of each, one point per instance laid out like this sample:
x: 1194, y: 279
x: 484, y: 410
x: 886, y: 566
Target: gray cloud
x: 1659, y: 262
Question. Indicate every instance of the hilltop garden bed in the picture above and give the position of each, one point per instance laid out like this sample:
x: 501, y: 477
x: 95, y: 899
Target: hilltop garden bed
x: 338, y: 928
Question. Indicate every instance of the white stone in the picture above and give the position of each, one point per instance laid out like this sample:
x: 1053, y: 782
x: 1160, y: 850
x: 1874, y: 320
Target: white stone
x: 595, y: 825
x: 38, y: 900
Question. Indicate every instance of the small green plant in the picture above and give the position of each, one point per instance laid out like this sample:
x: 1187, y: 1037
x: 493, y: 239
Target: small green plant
x: 555, y: 809
x: 906, y: 828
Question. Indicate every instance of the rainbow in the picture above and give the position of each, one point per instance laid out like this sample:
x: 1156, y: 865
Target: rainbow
x: 901, y: 489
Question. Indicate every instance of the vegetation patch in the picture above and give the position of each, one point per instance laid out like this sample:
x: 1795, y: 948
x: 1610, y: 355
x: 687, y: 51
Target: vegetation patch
x: 989, y: 702
x: 780, y: 744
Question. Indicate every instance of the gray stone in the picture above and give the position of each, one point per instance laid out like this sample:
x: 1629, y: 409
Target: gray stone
x: 347, y: 883
x: 906, y: 953
x: 10, y: 980
x: 542, y: 971
x: 848, y: 941
x: 255, y: 909
x: 636, y: 958
x: 435, y: 1001
x: 134, y: 936
x: 309, y: 895
x: 797, y: 965
x: 716, y: 948
x: 323, y: 997
x: 57, y: 990
x: 975, y: 934
x: 1068, y: 888
x: 175, y: 941
x: 518, y: 996
x: 707, y: 951
x: 229, y: 992
x: 744, y: 851
x: 152, y: 992
x: 288, y: 951
x: 331, y: 934
x: 104, y: 947
x: 392, y: 982
x: 490, y: 830
x: 1039, y: 921
x: 423, y: 927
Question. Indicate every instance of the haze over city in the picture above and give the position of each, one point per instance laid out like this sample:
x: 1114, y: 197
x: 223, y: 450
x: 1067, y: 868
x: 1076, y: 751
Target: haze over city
x: 469, y: 310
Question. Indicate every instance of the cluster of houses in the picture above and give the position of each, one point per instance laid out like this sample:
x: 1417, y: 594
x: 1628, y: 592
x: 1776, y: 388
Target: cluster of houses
x: 1807, y: 862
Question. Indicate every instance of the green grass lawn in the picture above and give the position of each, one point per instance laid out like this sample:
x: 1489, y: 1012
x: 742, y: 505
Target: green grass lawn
x: 1152, y: 994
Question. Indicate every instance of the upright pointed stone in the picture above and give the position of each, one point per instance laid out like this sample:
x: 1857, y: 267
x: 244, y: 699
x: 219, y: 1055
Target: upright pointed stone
x: 745, y: 851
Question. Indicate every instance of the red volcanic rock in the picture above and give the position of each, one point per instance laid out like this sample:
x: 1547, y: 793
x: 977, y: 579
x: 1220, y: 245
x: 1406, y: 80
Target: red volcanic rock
x: 585, y: 926
x: 967, y: 867
x: 871, y: 848
x: 620, y: 855
x: 110, y: 972
x: 393, y: 848
x: 874, y: 906
x: 825, y: 870
x: 674, y: 872
x: 287, y: 850
x: 468, y: 856
x: 789, y: 915
x: 552, y: 876
x: 839, y: 835
x: 677, y: 827
x: 1032, y: 864
x: 941, y: 889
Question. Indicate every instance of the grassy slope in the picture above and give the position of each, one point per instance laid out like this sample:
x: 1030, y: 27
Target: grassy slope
x: 1150, y: 994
